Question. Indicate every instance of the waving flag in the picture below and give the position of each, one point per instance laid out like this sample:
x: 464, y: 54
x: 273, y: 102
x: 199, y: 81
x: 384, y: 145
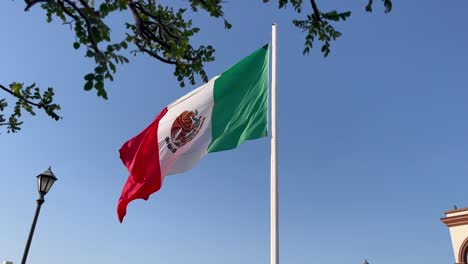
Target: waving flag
x: 220, y: 115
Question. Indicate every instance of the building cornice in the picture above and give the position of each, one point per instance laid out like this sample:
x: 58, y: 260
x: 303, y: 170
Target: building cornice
x: 455, y: 220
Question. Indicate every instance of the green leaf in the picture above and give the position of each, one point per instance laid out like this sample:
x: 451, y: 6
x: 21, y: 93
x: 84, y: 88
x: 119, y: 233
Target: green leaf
x: 76, y: 45
x: 227, y: 25
x: 369, y: 6
x: 99, y: 85
x: 16, y: 87
x: 99, y: 78
x: 89, y: 53
x: 99, y: 69
x: 103, y: 8
x: 89, y: 77
x: 345, y: 15
x: 88, y: 86
x: 112, y: 66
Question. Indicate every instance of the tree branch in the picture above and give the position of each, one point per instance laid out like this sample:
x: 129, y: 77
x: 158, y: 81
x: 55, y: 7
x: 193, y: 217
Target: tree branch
x: 153, y: 34
x: 88, y: 24
x: 20, y: 97
x: 316, y: 10
x: 136, y: 17
x: 66, y: 10
x: 154, y: 54
x: 160, y: 23
x: 30, y: 3
x: 142, y: 29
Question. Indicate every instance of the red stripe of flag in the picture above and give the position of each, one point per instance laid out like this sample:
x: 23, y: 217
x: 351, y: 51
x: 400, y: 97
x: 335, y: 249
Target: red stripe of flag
x: 141, y: 157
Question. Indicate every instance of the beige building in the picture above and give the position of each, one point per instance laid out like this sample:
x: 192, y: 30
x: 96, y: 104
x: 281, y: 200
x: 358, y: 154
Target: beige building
x: 457, y: 223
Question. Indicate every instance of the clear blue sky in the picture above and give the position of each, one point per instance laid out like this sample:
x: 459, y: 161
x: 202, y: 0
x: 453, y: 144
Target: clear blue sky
x: 373, y: 145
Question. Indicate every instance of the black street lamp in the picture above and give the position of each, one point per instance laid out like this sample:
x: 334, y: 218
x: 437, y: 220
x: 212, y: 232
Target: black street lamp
x: 45, y: 181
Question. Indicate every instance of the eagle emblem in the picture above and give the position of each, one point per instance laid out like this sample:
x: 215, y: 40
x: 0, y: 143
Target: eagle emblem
x: 184, y: 129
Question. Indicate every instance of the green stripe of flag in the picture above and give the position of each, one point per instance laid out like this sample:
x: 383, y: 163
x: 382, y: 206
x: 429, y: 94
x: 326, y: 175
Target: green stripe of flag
x: 240, y: 109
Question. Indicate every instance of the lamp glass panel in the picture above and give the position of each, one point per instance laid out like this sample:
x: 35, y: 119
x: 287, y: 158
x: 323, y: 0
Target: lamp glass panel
x: 49, y: 184
x: 44, y: 183
x: 38, y: 184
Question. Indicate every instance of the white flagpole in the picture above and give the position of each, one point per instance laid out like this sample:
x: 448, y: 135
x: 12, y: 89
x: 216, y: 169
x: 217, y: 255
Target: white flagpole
x: 274, y: 246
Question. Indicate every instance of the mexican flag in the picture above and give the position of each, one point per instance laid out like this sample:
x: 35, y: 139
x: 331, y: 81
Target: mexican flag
x: 217, y: 116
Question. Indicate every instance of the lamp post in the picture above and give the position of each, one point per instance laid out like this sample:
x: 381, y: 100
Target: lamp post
x: 45, y: 181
